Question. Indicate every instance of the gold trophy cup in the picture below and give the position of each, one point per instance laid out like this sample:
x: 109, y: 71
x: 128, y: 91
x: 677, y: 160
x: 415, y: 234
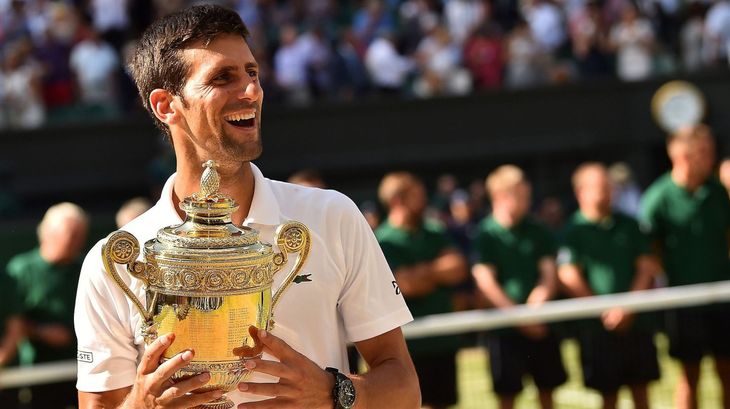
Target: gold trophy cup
x: 208, y: 281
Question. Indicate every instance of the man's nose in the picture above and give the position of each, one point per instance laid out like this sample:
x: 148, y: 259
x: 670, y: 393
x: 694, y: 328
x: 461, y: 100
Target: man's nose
x: 251, y: 91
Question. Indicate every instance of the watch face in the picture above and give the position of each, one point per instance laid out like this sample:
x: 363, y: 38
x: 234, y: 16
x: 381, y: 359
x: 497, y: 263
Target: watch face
x: 346, y: 395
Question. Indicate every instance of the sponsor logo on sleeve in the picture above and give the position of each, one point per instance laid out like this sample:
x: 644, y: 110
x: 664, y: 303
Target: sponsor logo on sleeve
x: 83, y: 356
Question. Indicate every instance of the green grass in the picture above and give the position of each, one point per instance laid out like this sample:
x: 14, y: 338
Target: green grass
x: 475, y: 386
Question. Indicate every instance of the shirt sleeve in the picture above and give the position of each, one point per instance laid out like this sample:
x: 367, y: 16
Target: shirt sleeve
x: 484, y: 247
x: 568, y: 251
x: 107, y: 351
x: 370, y: 301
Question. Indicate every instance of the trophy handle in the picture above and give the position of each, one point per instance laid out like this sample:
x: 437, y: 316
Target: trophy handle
x: 291, y: 237
x: 122, y: 247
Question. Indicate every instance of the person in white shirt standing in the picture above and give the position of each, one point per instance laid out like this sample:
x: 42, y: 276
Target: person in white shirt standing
x: 199, y: 80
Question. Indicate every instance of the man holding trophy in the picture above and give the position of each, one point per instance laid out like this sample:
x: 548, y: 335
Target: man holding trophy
x: 201, y: 297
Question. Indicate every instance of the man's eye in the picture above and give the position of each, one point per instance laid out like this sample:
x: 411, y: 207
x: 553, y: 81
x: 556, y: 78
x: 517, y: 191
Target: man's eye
x: 222, y: 78
x: 253, y: 74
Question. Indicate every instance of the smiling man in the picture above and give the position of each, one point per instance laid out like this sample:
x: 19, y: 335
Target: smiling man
x: 199, y: 80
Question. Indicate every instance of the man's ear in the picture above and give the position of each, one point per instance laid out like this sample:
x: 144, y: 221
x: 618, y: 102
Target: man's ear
x: 161, y: 105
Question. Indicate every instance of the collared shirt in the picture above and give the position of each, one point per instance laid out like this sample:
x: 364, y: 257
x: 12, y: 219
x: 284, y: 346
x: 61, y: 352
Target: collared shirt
x: 350, y: 296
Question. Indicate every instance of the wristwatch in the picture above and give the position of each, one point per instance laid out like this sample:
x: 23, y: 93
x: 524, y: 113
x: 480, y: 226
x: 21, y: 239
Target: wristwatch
x: 343, y: 391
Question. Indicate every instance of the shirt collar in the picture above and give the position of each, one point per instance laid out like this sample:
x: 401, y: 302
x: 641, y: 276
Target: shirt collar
x: 264, y: 206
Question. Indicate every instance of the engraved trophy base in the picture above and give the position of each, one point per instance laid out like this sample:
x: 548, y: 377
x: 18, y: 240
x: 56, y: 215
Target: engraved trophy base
x: 220, y: 403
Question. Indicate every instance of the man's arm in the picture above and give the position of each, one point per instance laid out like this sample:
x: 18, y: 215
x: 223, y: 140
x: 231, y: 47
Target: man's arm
x: 153, y: 388
x: 14, y: 332
x: 448, y: 269
x: 391, y: 381
x: 547, y: 286
x: 485, y: 276
x: 572, y: 280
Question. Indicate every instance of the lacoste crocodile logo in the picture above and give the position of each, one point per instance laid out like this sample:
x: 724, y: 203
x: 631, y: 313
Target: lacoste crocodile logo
x: 304, y: 278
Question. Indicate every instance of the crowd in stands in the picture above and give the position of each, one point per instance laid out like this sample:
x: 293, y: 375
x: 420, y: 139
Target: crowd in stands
x: 64, y: 59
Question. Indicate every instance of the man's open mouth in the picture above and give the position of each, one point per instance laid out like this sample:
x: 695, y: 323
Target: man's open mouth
x: 242, y: 120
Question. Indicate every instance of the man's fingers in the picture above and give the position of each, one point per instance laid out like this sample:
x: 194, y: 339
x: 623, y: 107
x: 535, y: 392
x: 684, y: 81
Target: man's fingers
x: 277, y: 346
x: 167, y: 369
x: 193, y: 400
x: 273, y: 368
x: 179, y: 389
x: 263, y: 389
x: 153, y: 353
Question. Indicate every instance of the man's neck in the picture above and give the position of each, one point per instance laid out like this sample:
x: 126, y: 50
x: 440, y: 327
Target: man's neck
x: 683, y: 178
x: 595, y: 215
x: 505, y: 219
x: 236, y: 181
x: 403, y: 220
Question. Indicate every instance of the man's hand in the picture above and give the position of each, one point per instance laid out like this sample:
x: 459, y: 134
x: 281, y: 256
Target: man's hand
x: 534, y: 331
x: 154, y: 389
x: 55, y: 335
x: 617, y: 319
x: 302, y: 383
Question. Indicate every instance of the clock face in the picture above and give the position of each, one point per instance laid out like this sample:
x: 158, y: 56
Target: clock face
x: 346, y: 394
x: 677, y: 104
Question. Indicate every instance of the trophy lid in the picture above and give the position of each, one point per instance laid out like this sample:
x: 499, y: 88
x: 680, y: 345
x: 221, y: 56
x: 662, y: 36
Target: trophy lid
x: 208, y: 222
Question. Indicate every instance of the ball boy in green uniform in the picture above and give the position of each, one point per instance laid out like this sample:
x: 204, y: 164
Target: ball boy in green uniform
x: 516, y: 265
x: 426, y: 266
x: 605, y: 252
x: 687, y: 212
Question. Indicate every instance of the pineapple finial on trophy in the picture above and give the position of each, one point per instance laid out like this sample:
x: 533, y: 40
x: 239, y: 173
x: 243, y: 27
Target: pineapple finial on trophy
x: 209, y: 181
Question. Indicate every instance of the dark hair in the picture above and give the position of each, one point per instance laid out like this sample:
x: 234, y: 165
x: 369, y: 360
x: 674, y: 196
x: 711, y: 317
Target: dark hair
x: 157, y: 61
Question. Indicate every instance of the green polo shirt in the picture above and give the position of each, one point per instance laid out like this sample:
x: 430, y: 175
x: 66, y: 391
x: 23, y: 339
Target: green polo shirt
x: 605, y: 251
x: 403, y: 248
x: 45, y: 293
x: 691, y: 229
x: 515, y: 253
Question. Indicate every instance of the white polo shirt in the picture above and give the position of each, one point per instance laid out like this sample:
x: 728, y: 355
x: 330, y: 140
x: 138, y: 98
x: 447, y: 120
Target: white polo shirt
x: 351, y: 296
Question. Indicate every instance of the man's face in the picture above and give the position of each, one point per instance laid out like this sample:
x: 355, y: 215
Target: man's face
x: 594, y: 191
x: 64, y: 239
x: 414, y: 199
x: 221, y: 101
x: 698, y: 156
x: 515, y: 201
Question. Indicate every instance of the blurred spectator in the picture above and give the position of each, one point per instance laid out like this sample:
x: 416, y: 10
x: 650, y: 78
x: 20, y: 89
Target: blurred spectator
x: 44, y: 280
x: 605, y: 253
x: 416, y: 18
x: 691, y: 37
x: 371, y: 19
x: 440, y: 65
x: 290, y: 65
x: 546, y: 24
x: 318, y: 62
x: 551, y: 214
x: 626, y: 195
x: 426, y: 266
x: 717, y: 33
x: 687, y: 211
x: 130, y: 210
x: 484, y: 57
x: 96, y: 66
x: 462, y: 17
x: 350, y: 75
x: 308, y: 177
x: 633, y: 40
x: 590, y: 41
x: 516, y: 265
x: 724, y: 173
x: 387, y: 68
x: 440, y: 201
x: 111, y: 20
x: 22, y: 96
x: 14, y: 24
x: 53, y: 53
x: 527, y: 64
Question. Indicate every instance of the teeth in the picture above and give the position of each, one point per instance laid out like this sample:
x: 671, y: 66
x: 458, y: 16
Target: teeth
x: 240, y: 117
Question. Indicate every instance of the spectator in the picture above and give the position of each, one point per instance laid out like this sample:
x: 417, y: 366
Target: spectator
x: 426, y: 266
x: 526, y: 62
x: 633, y: 40
x: 96, y: 67
x: 546, y: 24
x: 111, y: 20
x: 590, y: 42
x: 516, y: 265
x: 388, y: 70
x: 692, y: 44
x: 45, y: 281
x: 687, y: 211
x: 717, y: 33
x: 53, y: 53
x: 308, y: 177
x: 372, y: 19
x: 463, y: 17
x: 290, y: 66
x: 626, y: 195
x: 22, y: 91
x: 605, y: 253
x: 130, y: 210
x: 441, y: 73
x: 484, y: 57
